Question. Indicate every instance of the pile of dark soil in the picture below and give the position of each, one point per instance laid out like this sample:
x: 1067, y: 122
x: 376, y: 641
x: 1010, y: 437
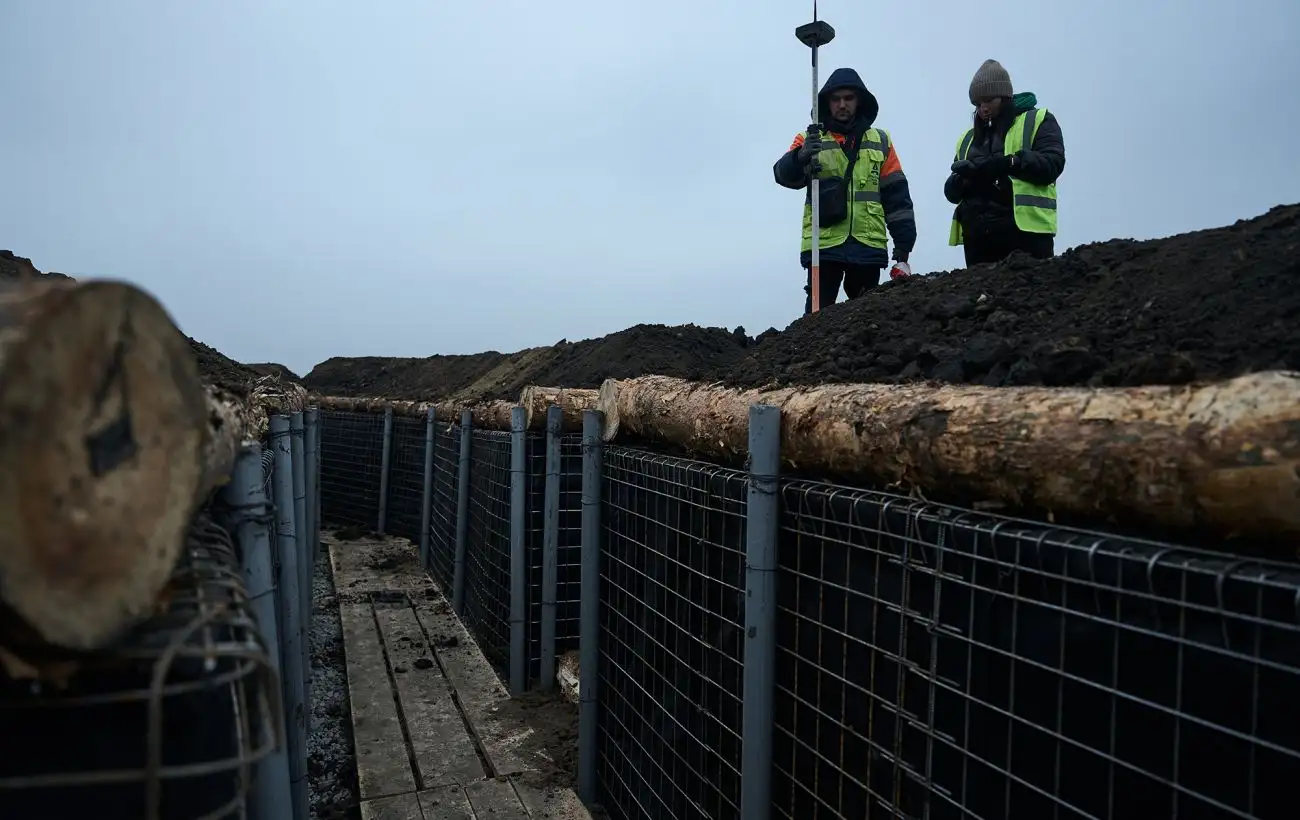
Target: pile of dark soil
x: 1205, y: 305
x: 275, y: 369
x: 396, y: 377
x: 14, y: 268
x: 218, y: 368
x: 686, y: 351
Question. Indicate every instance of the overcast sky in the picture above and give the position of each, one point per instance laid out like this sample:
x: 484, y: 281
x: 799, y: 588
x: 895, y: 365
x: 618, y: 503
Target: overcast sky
x: 297, y: 180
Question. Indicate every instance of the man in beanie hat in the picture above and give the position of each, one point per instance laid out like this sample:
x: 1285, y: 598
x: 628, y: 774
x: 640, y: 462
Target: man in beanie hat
x: 1003, y: 178
x: 863, y: 190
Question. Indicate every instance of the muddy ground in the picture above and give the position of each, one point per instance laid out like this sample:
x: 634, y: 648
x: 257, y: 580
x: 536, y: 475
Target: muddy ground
x: 1203, y: 305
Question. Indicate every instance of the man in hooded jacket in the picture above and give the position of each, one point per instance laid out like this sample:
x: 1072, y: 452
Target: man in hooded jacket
x: 863, y: 190
x: 1004, y: 174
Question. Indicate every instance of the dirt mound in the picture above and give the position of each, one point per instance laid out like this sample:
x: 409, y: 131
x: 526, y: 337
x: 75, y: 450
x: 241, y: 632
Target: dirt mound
x: 398, y: 377
x: 1205, y: 305
x: 14, y: 268
x: 218, y: 368
x: 274, y: 369
x: 686, y: 351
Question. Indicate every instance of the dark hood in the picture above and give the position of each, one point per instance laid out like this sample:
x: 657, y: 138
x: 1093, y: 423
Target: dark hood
x: 868, y: 107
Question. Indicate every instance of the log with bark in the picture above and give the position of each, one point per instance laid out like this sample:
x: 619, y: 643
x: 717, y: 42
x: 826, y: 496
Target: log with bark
x: 537, y: 400
x: 1220, y: 456
x: 491, y: 415
x: 236, y: 417
x: 103, y: 430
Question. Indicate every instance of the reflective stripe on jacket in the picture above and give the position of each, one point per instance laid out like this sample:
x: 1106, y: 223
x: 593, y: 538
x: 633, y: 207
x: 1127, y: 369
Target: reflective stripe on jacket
x: 866, y: 219
x: 1034, y: 206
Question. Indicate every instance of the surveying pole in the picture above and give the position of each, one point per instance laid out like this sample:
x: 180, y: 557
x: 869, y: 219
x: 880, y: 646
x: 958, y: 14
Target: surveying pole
x: 814, y: 35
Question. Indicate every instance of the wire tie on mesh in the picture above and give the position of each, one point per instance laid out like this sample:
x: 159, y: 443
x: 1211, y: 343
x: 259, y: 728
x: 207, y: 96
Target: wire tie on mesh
x: 1219, y: 583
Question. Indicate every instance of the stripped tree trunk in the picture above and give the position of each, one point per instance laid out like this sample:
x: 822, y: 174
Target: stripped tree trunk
x: 536, y: 400
x: 491, y: 415
x: 1223, y: 456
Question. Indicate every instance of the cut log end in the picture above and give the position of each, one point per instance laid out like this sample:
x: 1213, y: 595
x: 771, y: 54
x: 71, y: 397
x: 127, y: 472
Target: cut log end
x: 104, y: 422
x: 607, y: 403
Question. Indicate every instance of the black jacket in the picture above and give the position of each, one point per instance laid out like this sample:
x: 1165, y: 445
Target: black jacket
x: 894, y: 193
x: 986, y: 207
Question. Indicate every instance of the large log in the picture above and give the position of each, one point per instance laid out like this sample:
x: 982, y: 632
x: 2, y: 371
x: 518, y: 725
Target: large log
x: 1223, y: 456
x: 103, y: 427
x: 238, y: 417
x: 537, y: 400
x: 491, y: 415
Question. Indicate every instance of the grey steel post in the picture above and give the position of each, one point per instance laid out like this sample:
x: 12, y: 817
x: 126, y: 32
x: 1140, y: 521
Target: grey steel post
x: 311, y: 421
x: 551, y: 543
x: 762, y: 518
x: 290, y: 606
x: 593, y: 459
x: 426, y: 500
x: 518, y: 555
x: 317, y: 440
x: 462, y: 512
x: 270, y: 796
x: 298, y: 450
x: 385, y: 460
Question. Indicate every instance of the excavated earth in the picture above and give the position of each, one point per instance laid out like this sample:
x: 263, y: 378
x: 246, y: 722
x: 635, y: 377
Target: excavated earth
x: 686, y: 351
x: 1204, y: 305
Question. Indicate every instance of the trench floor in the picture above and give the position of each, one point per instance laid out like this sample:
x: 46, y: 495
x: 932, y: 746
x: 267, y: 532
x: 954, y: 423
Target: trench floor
x: 433, y: 741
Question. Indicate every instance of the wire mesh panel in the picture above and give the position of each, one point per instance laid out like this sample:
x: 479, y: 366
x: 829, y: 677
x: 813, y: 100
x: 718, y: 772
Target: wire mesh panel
x: 166, y: 725
x: 350, y: 462
x: 487, y: 557
x: 568, y: 554
x: 671, y: 637
x: 568, y: 592
x: 442, y: 517
x: 406, y: 478
x: 934, y: 662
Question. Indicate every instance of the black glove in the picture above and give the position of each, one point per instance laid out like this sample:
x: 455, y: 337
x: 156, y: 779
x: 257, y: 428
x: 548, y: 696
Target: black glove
x: 963, y: 168
x: 812, y: 144
x: 991, y: 168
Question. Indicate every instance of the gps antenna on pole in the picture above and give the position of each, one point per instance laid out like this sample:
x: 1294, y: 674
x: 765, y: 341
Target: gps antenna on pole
x: 814, y: 35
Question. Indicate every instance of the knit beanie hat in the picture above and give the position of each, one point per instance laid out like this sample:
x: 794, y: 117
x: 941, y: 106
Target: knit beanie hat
x: 992, y: 80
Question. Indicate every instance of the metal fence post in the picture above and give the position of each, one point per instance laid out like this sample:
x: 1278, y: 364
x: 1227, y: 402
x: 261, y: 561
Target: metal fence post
x: 462, y: 511
x: 298, y: 451
x: 762, y: 519
x: 426, y: 498
x: 593, y: 458
x: 316, y: 517
x: 290, y: 612
x: 518, y: 555
x: 551, y: 543
x: 311, y: 421
x: 270, y: 796
x: 385, y: 461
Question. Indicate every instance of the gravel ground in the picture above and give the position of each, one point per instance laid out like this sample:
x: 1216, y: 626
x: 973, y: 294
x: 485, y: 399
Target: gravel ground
x: 331, y: 767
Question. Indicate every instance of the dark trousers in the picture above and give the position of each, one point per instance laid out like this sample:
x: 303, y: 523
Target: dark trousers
x: 857, y: 280
x: 994, y: 246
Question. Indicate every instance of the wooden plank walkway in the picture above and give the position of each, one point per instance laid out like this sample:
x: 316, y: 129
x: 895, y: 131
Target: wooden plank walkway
x: 432, y: 741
